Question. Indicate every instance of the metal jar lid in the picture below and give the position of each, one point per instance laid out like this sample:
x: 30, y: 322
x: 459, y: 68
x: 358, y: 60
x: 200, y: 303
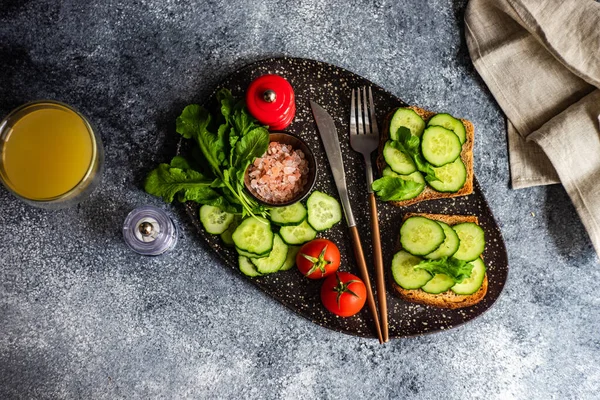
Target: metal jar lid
x: 148, y: 230
x: 271, y: 100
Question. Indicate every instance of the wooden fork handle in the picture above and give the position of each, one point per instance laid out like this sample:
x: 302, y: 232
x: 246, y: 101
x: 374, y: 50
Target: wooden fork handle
x: 362, y: 266
x: 379, y: 272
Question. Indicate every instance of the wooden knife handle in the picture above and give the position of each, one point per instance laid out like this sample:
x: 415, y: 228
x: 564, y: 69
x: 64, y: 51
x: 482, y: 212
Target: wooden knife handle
x: 362, y: 266
x: 379, y: 272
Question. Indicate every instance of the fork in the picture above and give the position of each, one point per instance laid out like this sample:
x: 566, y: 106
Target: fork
x: 364, y: 139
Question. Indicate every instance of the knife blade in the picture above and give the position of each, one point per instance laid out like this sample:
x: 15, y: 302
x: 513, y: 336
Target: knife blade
x: 331, y: 143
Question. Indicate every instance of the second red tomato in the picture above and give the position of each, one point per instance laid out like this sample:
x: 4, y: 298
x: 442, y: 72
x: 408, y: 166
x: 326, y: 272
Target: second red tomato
x: 318, y: 259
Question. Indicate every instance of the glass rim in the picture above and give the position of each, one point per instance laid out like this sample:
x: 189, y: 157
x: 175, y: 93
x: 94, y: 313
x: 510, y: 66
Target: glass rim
x: 90, y: 168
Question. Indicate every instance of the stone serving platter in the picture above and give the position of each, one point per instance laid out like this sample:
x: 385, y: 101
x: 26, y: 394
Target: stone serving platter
x: 330, y: 86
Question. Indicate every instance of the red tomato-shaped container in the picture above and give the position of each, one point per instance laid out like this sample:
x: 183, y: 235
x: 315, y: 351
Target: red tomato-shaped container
x: 271, y: 100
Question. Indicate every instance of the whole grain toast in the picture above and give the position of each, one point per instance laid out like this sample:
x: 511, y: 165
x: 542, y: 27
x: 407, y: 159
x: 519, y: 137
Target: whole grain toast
x: 429, y: 193
x: 447, y: 299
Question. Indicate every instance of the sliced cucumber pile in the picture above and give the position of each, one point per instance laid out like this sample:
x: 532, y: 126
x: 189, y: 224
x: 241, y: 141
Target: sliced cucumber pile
x: 265, y: 246
x: 215, y: 220
x: 452, y: 256
x: 433, y: 152
x: 298, y: 234
x: 254, y: 236
x: 323, y: 211
x: 289, y: 215
x: 274, y: 261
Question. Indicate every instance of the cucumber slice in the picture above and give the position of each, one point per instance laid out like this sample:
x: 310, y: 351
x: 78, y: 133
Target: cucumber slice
x: 289, y: 215
x: 440, y: 146
x: 215, y: 220
x: 472, y: 241
x: 438, y: 284
x: 323, y: 211
x: 450, y: 245
x: 254, y: 235
x: 409, y: 119
x: 471, y: 284
x: 247, y: 267
x: 399, y: 161
x: 404, y: 273
x: 226, y: 236
x: 251, y: 255
x: 451, y: 177
x: 415, y: 177
x: 298, y: 234
x: 276, y: 258
x: 420, y: 236
x: 290, y: 260
x: 451, y: 123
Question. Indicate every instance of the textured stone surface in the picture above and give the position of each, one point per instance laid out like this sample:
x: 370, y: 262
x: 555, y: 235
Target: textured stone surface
x: 83, y: 317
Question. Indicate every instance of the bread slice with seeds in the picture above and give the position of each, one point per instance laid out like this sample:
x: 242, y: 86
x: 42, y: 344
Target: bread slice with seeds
x: 447, y: 299
x: 429, y: 193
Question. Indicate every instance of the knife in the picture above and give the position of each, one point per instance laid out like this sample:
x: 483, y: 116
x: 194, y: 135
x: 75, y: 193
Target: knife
x: 331, y: 142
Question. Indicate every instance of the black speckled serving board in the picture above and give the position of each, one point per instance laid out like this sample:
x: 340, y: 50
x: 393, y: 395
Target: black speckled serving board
x: 330, y: 86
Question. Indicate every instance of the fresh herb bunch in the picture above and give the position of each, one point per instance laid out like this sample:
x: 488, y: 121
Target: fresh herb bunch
x: 227, y: 143
x: 393, y: 187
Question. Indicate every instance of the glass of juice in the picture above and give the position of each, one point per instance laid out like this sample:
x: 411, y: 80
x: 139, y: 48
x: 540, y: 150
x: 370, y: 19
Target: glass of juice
x: 50, y: 156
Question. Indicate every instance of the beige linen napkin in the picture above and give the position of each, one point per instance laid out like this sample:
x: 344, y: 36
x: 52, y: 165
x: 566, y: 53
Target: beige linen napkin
x: 541, y: 61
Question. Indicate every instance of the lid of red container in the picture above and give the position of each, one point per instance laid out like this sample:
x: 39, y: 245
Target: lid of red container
x: 271, y: 100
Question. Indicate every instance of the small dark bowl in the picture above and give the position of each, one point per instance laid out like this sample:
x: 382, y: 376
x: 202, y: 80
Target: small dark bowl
x: 297, y: 144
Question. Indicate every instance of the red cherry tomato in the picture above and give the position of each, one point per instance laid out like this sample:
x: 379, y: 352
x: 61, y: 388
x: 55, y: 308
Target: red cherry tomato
x: 343, y: 294
x: 318, y: 258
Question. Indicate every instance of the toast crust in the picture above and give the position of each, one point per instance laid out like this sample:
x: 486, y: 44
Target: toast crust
x: 428, y: 193
x: 447, y: 299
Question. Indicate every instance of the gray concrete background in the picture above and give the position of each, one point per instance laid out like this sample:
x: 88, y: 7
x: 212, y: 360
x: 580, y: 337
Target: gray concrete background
x: 81, y: 316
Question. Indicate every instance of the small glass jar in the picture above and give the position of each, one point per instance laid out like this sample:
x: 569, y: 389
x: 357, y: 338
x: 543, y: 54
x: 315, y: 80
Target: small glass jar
x: 50, y: 155
x: 148, y: 230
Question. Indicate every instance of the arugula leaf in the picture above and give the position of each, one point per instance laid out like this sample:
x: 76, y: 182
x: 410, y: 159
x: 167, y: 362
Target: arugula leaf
x: 410, y: 144
x: 193, y: 123
x: 252, y: 145
x: 167, y: 181
x: 390, y: 188
x: 456, y: 269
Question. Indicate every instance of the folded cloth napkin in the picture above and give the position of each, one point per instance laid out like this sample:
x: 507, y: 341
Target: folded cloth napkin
x: 541, y: 61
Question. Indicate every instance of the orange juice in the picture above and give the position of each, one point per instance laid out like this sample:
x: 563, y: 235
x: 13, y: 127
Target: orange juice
x: 47, y: 150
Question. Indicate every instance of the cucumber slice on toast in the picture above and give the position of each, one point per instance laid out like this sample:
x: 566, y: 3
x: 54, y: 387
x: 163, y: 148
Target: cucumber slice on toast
x: 404, y: 273
x: 472, y: 241
x: 451, y: 177
x: 438, y: 284
x: 440, y: 146
x: 451, y: 123
x: 399, y: 161
x: 420, y: 236
x: 471, y: 284
x: 448, y: 247
x: 407, y: 118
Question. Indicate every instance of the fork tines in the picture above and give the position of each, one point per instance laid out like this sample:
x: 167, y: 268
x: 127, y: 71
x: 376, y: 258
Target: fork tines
x: 363, y: 121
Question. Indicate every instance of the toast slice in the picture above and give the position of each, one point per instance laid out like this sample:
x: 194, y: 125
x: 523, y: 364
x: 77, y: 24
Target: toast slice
x: 429, y: 193
x: 447, y: 299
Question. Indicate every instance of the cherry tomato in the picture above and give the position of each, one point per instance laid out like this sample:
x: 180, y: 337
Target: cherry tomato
x: 343, y: 294
x: 318, y: 258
